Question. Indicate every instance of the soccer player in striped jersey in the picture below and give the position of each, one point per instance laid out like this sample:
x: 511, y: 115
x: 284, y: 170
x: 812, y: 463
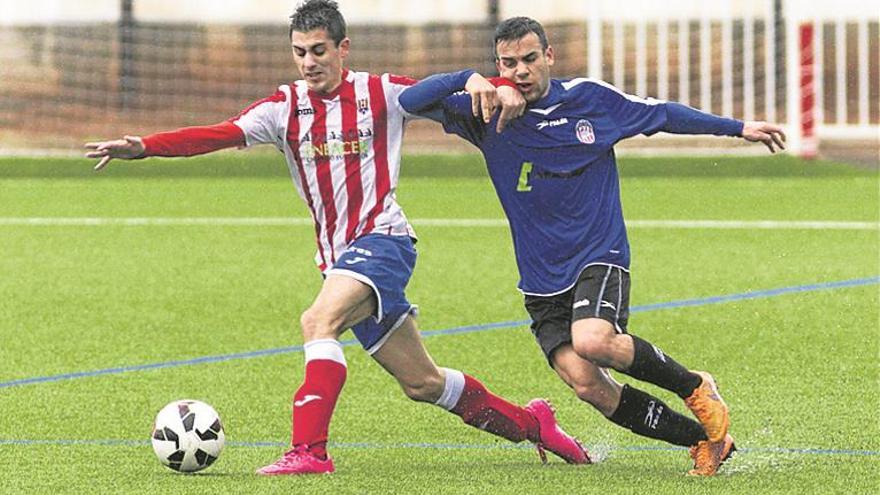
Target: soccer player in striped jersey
x: 550, y: 156
x: 341, y: 133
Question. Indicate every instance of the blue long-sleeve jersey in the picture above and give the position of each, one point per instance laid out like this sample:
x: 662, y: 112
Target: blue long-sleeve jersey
x: 554, y: 168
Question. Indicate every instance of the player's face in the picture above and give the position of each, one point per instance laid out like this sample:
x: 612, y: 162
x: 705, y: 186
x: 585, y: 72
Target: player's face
x: 318, y: 59
x: 526, y: 63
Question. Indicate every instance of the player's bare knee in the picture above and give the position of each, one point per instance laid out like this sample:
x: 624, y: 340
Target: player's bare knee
x: 316, y: 325
x: 595, y: 347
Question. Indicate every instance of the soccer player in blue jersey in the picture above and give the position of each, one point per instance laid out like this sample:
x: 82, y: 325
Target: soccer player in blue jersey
x: 550, y: 156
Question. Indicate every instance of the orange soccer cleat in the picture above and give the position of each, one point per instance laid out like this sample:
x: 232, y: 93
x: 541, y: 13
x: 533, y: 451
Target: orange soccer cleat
x: 709, y: 408
x: 709, y: 456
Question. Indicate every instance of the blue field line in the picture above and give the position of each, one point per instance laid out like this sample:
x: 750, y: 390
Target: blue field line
x: 441, y: 446
x: 448, y: 331
x: 759, y: 294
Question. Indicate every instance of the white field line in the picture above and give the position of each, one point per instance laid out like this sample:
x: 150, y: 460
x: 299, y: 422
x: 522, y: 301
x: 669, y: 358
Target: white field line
x: 754, y: 224
x: 427, y: 222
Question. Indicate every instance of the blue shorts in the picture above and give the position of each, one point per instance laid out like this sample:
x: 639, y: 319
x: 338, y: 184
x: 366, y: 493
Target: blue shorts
x: 385, y: 263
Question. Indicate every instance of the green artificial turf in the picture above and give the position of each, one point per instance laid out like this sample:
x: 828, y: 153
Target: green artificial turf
x: 799, y: 370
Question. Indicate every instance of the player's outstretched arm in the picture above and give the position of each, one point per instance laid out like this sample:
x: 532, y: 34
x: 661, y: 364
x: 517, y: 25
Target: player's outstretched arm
x: 127, y: 148
x: 770, y: 134
x: 187, y: 141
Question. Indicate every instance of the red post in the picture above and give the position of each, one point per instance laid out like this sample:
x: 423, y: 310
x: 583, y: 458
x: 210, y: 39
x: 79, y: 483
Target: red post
x: 809, y: 144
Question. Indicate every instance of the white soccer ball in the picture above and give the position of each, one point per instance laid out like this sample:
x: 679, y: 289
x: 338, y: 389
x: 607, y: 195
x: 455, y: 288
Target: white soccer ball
x: 188, y: 435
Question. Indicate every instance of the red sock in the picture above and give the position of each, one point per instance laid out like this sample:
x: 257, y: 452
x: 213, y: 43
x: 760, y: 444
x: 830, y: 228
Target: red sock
x: 482, y: 409
x: 314, y: 402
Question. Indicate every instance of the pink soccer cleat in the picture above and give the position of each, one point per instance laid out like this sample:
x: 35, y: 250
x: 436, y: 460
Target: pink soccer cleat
x: 298, y: 460
x: 553, y: 438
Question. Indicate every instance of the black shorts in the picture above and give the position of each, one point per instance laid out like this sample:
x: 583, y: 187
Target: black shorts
x: 601, y: 291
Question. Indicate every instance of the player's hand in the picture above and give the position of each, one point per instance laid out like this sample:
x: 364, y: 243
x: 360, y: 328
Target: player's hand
x: 126, y: 148
x: 484, y: 96
x: 769, y: 134
x: 513, y: 104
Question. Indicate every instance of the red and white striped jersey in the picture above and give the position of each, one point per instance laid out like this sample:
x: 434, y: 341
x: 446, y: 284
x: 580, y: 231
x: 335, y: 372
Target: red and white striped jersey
x: 343, y: 152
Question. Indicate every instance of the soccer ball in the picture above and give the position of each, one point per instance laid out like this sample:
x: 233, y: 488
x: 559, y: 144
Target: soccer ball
x: 188, y: 435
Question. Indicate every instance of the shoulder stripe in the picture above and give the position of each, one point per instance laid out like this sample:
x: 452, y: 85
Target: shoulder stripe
x: 402, y: 80
x: 574, y: 82
x: 279, y: 96
x: 567, y: 85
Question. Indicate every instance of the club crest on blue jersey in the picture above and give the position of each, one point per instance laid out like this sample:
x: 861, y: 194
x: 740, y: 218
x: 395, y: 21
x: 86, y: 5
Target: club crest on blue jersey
x: 584, y: 132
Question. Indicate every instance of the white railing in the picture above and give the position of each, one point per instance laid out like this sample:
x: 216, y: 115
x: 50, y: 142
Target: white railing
x: 69, y: 70
x: 737, y: 85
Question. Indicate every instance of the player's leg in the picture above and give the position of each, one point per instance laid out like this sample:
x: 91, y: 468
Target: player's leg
x: 647, y: 415
x: 404, y: 356
x: 623, y: 405
x: 589, y: 383
x: 599, y: 315
x: 342, y: 302
x: 597, y: 340
x: 629, y: 407
x: 385, y: 263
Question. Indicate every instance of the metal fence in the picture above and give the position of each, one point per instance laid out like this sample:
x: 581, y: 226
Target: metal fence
x: 62, y: 84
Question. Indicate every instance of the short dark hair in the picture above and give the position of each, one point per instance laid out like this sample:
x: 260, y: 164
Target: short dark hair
x: 318, y: 14
x: 517, y: 27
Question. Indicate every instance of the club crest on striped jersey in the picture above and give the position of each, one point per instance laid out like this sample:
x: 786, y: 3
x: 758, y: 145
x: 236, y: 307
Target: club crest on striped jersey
x: 584, y: 132
x: 363, y: 105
